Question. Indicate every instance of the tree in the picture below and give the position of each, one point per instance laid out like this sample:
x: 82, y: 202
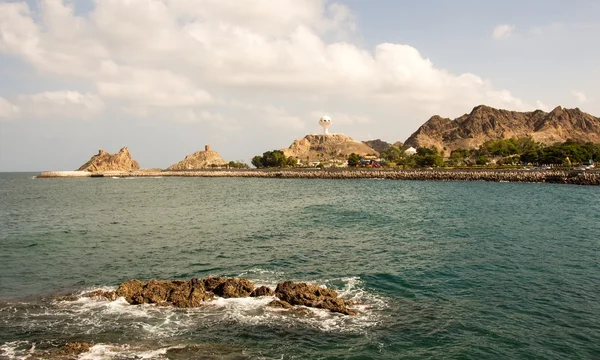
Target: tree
x: 353, y: 160
x: 257, y: 161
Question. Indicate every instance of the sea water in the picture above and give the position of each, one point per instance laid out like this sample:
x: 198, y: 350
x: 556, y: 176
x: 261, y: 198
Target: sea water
x: 438, y: 270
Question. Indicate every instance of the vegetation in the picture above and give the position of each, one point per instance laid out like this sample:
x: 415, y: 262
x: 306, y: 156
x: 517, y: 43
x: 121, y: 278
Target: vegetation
x: 274, y: 158
x: 237, y: 165
x: 353, y: 160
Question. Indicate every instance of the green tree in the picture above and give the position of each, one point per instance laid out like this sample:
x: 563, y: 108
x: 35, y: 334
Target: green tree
x: 257, y: 161
x: 353, y: 160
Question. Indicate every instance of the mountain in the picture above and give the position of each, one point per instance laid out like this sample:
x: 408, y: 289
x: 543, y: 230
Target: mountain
x: 104, y: 161
x: 486, y: 123
x: 199, y: 160
x: 326, y: 146
x: 380, y: 145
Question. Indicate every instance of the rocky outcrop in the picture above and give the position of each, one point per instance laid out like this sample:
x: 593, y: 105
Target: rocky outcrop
x: 199, y: 160
x: 326, y: 147
x: 229, y: 288
x: 104, y: 161
x: 486, y: 123
x: 178, y: 293
x: 311, y: 296
x: 196, y: 292
x: 262, y: 291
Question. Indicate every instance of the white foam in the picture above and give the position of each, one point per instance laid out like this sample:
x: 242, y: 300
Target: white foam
x: 106, y: 352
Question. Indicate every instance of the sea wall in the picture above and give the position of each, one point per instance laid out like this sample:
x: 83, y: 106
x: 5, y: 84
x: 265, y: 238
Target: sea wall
x: 530, y: 176
x: 67, y: 174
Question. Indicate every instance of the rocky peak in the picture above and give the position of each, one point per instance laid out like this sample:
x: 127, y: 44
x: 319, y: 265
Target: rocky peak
x: 199, y: 160
x: 485, y: 123
x: 105, y: 161
x: 316, y: 147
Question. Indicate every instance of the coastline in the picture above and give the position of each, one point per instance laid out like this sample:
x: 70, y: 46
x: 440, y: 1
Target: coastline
x: 526, y: 176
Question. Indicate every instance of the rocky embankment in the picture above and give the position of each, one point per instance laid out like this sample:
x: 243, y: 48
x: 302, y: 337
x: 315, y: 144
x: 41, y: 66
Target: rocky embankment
x: 197, y: 292
x: 531, y: 176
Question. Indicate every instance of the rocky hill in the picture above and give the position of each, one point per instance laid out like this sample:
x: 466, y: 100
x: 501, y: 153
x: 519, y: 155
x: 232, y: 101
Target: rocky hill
x: 486, y: 123
x: 330, y: 146
x: 380, y: 145
x: 199, y: 160
x: 104, y: 161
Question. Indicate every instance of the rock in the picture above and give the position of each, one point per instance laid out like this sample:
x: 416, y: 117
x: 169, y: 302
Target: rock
x: 229, y: 287
x: 104, y: 161
x: 279, y: 304
x: 178, y: 293
x: 378, y: 145
x: 200, y: 160
x: 331, y: 146
x: 108, y: 295
x: 75, y: 348
x: 311, y: 296
x: 262, y: 291
x: 70, y: 297
x: 486, y: 123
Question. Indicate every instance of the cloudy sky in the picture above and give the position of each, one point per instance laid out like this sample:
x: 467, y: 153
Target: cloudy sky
x: 166, y: 77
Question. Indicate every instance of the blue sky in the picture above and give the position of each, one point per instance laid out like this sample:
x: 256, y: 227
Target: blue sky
x: 167, y: 77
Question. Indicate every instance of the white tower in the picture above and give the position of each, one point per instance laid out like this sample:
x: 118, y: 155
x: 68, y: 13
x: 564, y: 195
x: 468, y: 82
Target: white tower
x: 325, y: 123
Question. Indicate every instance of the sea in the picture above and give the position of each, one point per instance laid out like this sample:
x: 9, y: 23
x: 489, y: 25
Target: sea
x: 436, y: 270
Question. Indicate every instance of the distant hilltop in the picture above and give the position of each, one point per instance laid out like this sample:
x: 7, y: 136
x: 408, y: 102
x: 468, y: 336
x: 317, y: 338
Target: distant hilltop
x: 199, y: 160
x: 330, y: 146
x: 104, y: 161
x: 486, y: 123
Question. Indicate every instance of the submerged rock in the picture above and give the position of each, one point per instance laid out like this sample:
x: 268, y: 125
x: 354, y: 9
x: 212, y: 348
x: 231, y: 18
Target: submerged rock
x: 75, y: 348
x: 178, y: 293
x: 262, y: 291
x: 280, y: 304
x: 108, y: 295
x: 311, y: 296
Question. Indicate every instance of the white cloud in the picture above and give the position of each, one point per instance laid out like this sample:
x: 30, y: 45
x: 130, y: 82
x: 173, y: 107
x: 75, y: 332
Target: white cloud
x: 579, y: 96
x: 60, y: 104
x: 8, y: 110
x: 503, y: 31
x: 193, y: 57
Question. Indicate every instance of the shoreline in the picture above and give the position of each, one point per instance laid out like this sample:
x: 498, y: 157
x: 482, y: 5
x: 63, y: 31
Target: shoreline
x: 490, y: 175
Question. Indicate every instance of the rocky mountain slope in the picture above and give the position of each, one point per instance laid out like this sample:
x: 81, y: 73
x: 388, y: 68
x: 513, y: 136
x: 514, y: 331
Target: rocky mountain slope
x: 380, y: 145
x: 104, y: 161
x: 199, y: 160
x: 331, y: 146
x: 486, y: 123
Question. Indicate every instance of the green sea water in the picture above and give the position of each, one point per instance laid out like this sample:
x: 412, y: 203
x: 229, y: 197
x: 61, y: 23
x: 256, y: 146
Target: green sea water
x: 439, y: 270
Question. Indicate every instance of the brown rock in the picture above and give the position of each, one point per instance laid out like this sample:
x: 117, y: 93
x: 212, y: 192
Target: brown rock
x: 331, y: 146
x: 279, y: 304
x: 178, y: 293
x: 262, y: 291
x: 199, y: 160
x: 229, y: 287
x: 311, y: 296
x: 75, y: 348
x: 104, y: 161
x: 108, y: 295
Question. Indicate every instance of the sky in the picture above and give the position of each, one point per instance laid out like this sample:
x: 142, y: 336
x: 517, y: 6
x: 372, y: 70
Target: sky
x: 166, y: 77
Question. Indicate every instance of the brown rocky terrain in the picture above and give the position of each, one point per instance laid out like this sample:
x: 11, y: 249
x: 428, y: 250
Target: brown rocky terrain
x: 196, y: 292
x: 486, y: 123
x: 330, y: 146
x: 104, y: 161
x: 380, y: 145
x: 199, y: 160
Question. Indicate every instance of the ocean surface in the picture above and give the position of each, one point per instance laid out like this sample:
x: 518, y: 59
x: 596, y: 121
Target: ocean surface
x: 439, y: 270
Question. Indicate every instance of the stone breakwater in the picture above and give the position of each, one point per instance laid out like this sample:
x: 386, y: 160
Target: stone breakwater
x: 532, y: 176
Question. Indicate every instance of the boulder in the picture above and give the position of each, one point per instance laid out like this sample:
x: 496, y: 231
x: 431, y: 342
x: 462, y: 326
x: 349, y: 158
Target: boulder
x: 311, y: 296
x: 75, y: 348
x: 229, y: 287
x: 262, y: 291
x: 178, y: 293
